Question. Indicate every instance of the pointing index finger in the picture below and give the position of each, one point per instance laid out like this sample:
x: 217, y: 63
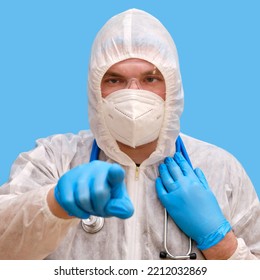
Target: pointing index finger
x: 116, y: 175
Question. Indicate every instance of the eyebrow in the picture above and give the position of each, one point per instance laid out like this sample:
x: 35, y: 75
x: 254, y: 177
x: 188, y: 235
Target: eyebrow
x: 115, y: 74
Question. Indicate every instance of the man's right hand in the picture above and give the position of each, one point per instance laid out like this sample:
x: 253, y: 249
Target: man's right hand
x: 96, y: 188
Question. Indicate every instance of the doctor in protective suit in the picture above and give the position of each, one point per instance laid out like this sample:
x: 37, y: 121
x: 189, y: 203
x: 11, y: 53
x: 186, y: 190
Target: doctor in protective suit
x: 132, y: 165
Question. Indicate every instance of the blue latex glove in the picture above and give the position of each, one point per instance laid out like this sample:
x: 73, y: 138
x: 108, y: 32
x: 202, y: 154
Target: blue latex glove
x: 185, y: 194
x: 96, y: 188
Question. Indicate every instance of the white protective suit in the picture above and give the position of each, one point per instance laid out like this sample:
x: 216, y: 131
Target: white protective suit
x: 28, y: 229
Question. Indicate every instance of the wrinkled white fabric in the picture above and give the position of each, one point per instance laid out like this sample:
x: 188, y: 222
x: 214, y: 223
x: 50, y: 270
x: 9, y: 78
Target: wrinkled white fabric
x: 28, y: 230
x: 242, y: 252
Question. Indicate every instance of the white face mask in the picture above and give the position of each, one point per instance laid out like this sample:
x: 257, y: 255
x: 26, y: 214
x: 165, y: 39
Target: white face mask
x: 134, y: 117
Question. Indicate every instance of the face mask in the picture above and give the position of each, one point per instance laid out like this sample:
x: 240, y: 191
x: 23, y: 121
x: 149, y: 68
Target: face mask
x: 134, y: 117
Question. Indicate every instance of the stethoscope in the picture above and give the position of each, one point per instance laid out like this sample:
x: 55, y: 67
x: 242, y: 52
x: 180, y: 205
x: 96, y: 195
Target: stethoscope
x: 94, y: 224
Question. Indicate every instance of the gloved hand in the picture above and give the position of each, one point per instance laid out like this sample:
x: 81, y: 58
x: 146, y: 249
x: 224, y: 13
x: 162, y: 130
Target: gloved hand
x: 96, y: 188
x: 185, y: 194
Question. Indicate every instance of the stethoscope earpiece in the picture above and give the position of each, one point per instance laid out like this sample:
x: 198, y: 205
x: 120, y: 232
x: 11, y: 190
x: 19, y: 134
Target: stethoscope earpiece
x: 193, y: 256
x: 165, y: 255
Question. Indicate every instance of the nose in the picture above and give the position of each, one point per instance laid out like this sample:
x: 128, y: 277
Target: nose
x: 133, y: 84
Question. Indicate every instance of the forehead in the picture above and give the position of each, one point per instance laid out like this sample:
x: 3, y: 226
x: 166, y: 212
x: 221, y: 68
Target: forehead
x: 131, y: 65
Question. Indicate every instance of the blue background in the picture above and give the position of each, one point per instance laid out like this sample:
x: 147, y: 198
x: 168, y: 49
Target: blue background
x: 44, y: 52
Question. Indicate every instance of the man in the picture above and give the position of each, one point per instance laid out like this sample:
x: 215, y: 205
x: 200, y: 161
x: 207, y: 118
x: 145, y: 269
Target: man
x: 136, y: 166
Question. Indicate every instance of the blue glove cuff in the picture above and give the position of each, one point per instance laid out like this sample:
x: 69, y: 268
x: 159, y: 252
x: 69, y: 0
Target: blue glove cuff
x: 214, y: 238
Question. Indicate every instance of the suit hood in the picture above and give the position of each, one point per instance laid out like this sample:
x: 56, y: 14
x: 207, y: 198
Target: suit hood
x: 135, y: 34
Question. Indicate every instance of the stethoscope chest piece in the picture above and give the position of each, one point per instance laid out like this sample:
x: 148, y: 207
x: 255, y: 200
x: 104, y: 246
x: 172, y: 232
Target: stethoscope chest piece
x: 92, y: 224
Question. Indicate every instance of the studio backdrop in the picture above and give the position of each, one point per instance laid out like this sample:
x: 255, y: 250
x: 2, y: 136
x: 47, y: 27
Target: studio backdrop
x: 44, y: 53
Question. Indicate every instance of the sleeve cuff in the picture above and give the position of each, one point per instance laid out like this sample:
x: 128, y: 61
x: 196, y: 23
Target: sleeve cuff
x: 242, y: 252
x: 51, y: 217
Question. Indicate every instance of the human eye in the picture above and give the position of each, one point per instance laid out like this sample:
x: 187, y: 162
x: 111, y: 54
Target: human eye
x: 150, y: 79
x: 153, y: 82
x: 112, y: 81
x: 153, y: 79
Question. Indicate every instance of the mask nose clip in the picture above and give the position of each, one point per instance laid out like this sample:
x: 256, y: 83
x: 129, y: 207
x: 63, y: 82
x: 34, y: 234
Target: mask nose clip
x: 133, y: 83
